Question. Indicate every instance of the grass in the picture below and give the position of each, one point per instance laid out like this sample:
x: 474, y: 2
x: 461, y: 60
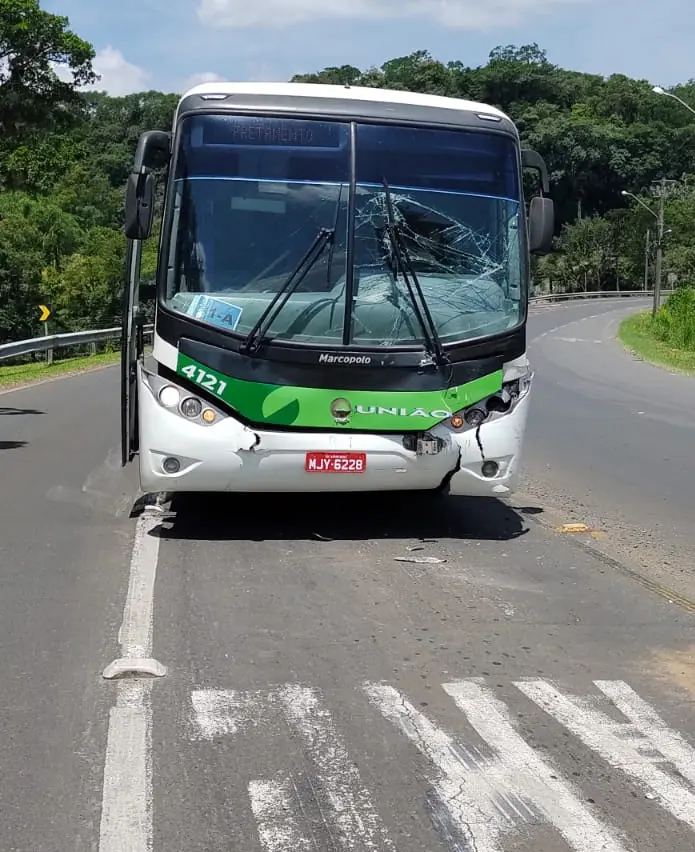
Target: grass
x: 636, y: 333
x: 39, y: 371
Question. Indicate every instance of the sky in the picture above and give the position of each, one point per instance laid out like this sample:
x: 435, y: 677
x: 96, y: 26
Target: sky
x: 170, y: 45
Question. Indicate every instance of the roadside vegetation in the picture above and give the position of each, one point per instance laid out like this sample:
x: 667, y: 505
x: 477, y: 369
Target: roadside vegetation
x: 16, y: 375
x: 667, y: 339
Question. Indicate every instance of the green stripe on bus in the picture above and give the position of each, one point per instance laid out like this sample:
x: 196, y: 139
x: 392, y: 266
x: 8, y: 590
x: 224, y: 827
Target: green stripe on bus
x: 378, y: 411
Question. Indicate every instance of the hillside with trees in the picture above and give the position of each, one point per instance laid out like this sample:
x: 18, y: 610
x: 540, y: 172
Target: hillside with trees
x: 65, y: 155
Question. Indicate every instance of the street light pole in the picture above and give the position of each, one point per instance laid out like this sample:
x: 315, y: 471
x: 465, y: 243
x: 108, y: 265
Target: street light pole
x: 646, y: 259
x: 658, y: 90
x: 659, y: 248
x: 661, y: 190
x: 657, y: 268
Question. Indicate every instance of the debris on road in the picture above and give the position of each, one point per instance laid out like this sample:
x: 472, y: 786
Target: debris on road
x: 574, y: 528
x: 420, y: 560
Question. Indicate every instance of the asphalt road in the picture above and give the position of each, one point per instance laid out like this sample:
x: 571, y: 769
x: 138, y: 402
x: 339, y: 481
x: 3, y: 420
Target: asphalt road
x: 610, y: 441
x: 320, y: 694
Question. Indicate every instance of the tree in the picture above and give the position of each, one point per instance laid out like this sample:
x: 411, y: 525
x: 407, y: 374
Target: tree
x: 417, y: 72
x: 87, y: 292
x: 345, y: 75
x: 89, y: 196
x: 65, y: 156
x: 32, y: 96
x: 21, y: 261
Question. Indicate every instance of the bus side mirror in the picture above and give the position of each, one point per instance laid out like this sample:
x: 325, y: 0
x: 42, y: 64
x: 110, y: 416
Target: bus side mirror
x: 541, y: 225
x: 152, y: 152
x: 531, y: 159
x: 139, y: 206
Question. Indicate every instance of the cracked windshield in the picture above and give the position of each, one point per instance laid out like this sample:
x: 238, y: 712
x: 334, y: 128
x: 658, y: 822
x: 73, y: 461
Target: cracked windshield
x: 261, y: 207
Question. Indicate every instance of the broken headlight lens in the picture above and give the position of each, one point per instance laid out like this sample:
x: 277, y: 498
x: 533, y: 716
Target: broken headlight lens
x: 497, y: 404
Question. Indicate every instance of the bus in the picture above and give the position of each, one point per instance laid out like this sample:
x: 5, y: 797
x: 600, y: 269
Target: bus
x: 341, y: 293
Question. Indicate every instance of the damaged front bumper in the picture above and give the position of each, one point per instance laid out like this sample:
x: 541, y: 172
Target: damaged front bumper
x: 180, y: 453
x: 490, y: 456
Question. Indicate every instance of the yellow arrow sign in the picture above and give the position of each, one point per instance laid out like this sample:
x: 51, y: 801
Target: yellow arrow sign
x: 45, y: 313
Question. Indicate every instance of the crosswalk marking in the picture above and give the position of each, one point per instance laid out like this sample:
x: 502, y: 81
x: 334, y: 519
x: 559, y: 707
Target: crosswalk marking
x: 489, y: 796
x: 635, y: 747
x: 278, y: 828
x: 349, y: 805
x: 338, y: 775
x: 481, y: 796
x: 225, y: 711
x: 647, y: 720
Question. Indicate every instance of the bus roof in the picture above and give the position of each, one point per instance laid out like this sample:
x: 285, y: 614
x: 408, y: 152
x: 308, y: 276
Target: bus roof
x: 345, y: 93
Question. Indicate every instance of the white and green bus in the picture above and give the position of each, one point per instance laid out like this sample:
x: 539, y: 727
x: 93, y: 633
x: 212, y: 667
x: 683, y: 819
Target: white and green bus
x: 341, y: 293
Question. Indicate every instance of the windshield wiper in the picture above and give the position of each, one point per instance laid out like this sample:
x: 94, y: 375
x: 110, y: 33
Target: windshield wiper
x: 255, y: 337
x: 433, y: 342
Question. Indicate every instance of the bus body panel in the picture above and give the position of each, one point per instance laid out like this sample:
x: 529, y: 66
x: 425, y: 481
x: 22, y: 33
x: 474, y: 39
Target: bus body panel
x: 229, y: 456
x: 224, y: 454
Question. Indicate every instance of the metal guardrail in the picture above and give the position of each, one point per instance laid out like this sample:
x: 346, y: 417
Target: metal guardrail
x: 50, y: 342
x: 78, y: 338
x: 596, y: 294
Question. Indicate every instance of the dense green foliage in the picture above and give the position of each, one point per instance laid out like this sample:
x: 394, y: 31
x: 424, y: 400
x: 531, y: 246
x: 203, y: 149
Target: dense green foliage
x: 65, y: 155
x: 667, y: 339
x: 598, y: 136
x: 674, y: 322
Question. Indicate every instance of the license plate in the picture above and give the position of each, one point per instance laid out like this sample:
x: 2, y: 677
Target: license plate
x: 335, y: 462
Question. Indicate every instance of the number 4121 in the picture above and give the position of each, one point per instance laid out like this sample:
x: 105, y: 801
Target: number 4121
x: 204, y: 379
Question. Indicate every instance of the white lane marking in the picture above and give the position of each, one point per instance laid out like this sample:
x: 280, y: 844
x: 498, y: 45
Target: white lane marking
x: 135, y: 634
x: 529, y: 776
x: 553, y: 331
x: 350, y: 808
x: 218, y: 712
x: 577, y: 340
x: 488, y: 797
x: 355, y: 814
x: 636, y: 747
x: 272, y: 803
x: 643, y: 716
x: 126, y: 807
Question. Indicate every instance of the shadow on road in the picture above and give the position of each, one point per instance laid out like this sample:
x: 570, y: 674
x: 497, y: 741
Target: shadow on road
x: 329, y: 517
x: 15, y: 411
x: 12, y: 445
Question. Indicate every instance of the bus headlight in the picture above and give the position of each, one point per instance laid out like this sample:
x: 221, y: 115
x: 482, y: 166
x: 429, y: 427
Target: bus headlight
x: 475, y: 416
x: 169, y: 396
x: 492, y: 407
x: 182, y: 402
x: 191, y: 407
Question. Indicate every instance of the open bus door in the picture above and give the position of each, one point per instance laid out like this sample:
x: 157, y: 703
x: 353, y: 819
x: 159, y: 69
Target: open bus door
x: 152, y: 152
x: 131, y: 351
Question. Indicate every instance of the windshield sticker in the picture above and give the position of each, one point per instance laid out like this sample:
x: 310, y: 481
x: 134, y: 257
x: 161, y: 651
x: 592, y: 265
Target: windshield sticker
x: 216, y: 311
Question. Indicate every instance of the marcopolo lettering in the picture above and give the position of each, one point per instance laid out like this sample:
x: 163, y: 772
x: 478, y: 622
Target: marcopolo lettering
x: 327, y: 358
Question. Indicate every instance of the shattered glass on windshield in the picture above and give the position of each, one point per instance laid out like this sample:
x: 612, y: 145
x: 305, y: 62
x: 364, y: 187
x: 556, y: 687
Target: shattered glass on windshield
x: 456, y: 203
x: 469, y: 275
x: 251, y: 194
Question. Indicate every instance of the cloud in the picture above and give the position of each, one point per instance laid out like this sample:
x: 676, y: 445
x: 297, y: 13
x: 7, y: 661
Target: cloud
x: 201, y: 77
x: 462, y: 14
x: 117, y: 76
x: 261, y: 72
